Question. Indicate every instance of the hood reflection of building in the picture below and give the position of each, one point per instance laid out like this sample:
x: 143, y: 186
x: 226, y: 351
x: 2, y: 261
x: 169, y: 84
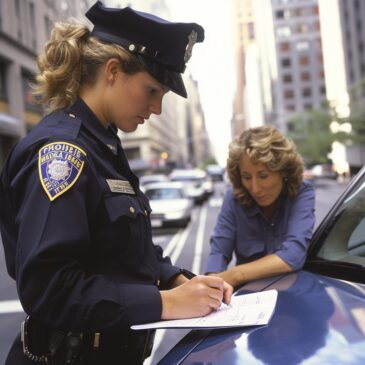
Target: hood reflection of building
x: 299, y: 326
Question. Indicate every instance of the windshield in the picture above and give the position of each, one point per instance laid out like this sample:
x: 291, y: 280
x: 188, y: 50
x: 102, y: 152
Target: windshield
x: 345, y: 240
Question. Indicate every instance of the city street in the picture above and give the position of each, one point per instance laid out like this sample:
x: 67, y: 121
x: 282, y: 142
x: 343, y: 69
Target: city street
x: 187, y: 248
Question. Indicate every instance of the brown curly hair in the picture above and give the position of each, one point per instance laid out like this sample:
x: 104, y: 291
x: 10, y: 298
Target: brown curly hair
x: 71, y: 58
x: 268, y: 146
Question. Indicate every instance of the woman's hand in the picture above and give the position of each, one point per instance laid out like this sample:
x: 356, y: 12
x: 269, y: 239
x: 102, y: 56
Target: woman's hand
x: 229, y: 276
x: 195, y: 298
x: 264, y: 267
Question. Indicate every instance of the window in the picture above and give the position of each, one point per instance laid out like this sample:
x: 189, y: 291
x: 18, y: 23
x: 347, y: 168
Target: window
x: 290, y: 107
x: 359, y: 26
x: 285, y: 62
x: 287, y: 78
x: 289, y: 94
x: 321, y: 74
x: 133, y: 153
x: 361, y: 46
x: 322, y: 89
x: 349, y: 55
x: 308, y: 106
x: 344, y: 241
x: 302, y: 46
x: 302, y: 28
x: 19, y: 23
x: 305, y: 76
x: 352, y: 75
x: 283, y: 32
x: 2, y: 81
x: 29, y: 100
x: 49, y: 25
x: 320, y: 58
x: 285, y: 46
x: 306, y: 92
x: 279, y: 14
x: 251, y: 30
x: 297, y: 12
x: 362, y: 69
x: 304, y: 60
x: 315, y: 9
x: 33, y: 27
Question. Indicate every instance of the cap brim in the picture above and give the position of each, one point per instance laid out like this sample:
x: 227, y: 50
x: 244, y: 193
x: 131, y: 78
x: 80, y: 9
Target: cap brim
x: 170, y: 79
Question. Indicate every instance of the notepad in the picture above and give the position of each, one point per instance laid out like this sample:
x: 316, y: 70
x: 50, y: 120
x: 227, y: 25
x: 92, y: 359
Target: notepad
x: 252, y: 309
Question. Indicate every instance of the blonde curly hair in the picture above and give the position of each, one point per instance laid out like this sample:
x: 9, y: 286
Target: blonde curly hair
x: 268, y: 146
x: 71, y: 58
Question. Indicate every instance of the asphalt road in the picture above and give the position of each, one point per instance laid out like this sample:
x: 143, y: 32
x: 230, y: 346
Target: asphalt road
x: 187, y: 248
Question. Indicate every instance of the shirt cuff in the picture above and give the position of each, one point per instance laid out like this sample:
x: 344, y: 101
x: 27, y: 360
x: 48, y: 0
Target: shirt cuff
x: 143, y: 303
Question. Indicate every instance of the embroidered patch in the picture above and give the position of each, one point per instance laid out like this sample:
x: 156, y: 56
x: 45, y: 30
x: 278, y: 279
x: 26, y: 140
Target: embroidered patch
x: 59, y: 165
x: 120, y: 186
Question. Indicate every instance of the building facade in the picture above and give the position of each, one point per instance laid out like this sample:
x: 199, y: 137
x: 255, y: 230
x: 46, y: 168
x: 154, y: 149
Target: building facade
x: 301, y: 77
x: 25, y: 25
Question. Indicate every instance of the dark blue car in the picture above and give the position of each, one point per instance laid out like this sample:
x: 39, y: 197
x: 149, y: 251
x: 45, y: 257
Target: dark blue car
x: 320, y: 311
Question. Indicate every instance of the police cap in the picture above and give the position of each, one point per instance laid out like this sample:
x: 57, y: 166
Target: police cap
x: 162, y: 47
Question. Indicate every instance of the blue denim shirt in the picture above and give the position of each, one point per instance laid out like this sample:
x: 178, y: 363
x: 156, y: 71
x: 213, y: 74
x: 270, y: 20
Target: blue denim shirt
x: 250, y: 235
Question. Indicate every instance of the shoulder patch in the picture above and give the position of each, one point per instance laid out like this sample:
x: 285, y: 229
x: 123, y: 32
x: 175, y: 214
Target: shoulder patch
x: 59, y: 165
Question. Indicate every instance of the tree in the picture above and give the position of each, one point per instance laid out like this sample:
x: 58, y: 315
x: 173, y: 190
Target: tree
x: 311, y: 133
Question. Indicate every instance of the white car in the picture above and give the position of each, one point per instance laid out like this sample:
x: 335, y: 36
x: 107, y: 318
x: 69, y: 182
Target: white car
x: 150, y: 179
x: 169, y: 203
x: 193, y: 180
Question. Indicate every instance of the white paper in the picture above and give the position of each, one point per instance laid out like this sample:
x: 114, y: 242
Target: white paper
x: 244, y: 310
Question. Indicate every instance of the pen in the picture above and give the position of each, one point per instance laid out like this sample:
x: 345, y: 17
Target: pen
x: 189, y: 275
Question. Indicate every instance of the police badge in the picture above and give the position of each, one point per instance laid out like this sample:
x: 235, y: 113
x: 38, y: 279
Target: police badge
x: 59, y: 166
x: 193, y: 37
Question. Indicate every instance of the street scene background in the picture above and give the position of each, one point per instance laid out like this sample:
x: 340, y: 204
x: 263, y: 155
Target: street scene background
x: 298, y: 65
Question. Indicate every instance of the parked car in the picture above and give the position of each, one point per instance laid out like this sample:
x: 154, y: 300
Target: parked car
x: 169, y: 203
x: 320, y: 311
x: 193, y: 179
x: 153, y: 178
x: 323, y: 171
x: 216, y: 172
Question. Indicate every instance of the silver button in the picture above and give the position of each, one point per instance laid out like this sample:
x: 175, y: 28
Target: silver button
x: 132, y: 47
x: 132, y: 210
x: 71, y: 115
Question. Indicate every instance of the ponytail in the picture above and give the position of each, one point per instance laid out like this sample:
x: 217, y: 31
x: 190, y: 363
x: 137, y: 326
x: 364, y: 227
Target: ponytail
x: 71, y: 58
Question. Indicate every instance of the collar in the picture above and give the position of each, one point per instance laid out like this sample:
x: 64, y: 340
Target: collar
x: 255, y: 209
x: 108, y: 136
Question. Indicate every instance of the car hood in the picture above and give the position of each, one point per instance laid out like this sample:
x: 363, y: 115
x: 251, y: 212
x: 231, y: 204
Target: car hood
x: 317, y: 320
x: 167, y: 205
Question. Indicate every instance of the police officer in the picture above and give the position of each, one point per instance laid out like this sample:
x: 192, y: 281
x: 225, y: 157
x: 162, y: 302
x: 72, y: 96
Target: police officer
x: 74, y: 223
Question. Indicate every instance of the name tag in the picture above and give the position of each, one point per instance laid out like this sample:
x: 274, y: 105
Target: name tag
x: 120, y: 186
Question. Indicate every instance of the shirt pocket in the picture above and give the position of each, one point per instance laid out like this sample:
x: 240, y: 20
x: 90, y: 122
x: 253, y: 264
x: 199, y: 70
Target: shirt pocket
x: 129, y: 222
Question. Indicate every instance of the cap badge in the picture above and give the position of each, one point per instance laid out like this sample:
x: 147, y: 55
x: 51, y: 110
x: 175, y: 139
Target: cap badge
x: 193, y: 37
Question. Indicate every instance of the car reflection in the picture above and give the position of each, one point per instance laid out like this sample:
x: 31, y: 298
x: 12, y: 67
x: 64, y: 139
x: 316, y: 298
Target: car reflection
x: 297, y: 330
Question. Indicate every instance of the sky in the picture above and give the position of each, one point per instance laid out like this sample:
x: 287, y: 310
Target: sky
x: 212, y: 65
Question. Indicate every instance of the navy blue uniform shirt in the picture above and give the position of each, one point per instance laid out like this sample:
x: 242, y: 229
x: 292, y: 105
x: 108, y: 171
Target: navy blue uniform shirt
x: 76, y: 228
x: 250, y: 235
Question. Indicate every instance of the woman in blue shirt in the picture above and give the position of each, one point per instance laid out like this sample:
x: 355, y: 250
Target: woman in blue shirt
x: 267, y: 216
